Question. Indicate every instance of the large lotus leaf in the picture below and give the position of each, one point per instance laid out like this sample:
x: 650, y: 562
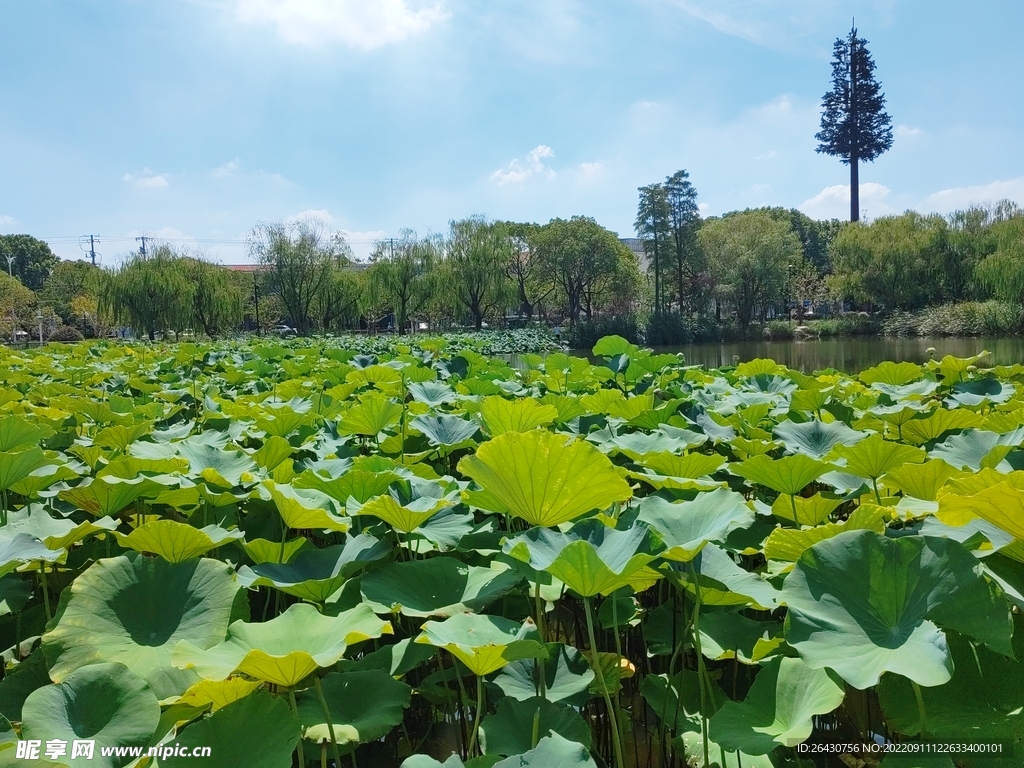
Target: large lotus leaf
x: 223, y: 468
x: 863, y: 604
x: 217, y: 694
x: 408, y: 504
x: 483, y: 643
x: 874, y: 456
x: 316, y: 574
x: 17, y: 432
x: 722, y: 582
x: 778, y: 710
x: 446, y: 429
x: 636, y: 445
x: 433, y: 393
x: 542, y: 477
x: 516, y: 725
x: 358, y: 484
x: 928, y: 428
x: 971, y: 450
x: 691, y: 744
x: 567, y: 676
x: 258, y: 731
x: 787, y: 544
x: 922, y: 481
x: 266, y: 551
x: 551, y: 752
x: 816, y: 438
x: 284, y: 650
x: 42, y: 478
x: 725, y: 634
x: 686, y: 527
x: 425, y: 761
x: 689, y: 465
x: 17, y: 465
x: 677, y: 702
x: 103, y: 702
x: 303, y: 509
x: 978, y: 391
x: 590, y: 558
x: 176, y: 542
x: 1001, y: 504
x: 364, y: 706
x: 108, y: 496
x: 790, y: 474
x: 370, y: 417
x: 500, y: 415
x: 135, y: 610
x: 53, y: 532
x: 805, y: 510
x: 23, y: 548
x: 889, y: 372
x: 981, y: 701
x: 440, y: 586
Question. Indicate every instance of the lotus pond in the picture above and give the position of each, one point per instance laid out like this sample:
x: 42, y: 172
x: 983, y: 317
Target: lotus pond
x: 301, y: 554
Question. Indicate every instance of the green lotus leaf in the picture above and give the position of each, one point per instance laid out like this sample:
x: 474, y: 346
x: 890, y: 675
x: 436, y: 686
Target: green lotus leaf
x: 971, y: 450
x: 888, y: 372
x: 284, y: 650
x: 433, y: 393
x: 397, y: 660
x: 176, y: 542
x: 721, y: 581
x: 15, y: 466
x: 778, y: 710
x: 790, y: 474
x: 874, y: 456
x: 425, y: 761
x: 374, y: 414
x: 282, y: 421
x: 922, y: 481
x: 590, y: 558
x: 686, y: 527
x: 103, y: 702
x: 691, y: 744
x: 257, y: 731
x: 446, y: 529
x: 677, y: 703
x: 303, y: 509
x: 445, y: 429
x: 15, y: 592
x: 636, y: 445
x: 816, y: 438
x: 440, y: 586
x: 45, y: 476
x: 806, y: 510
x: 223, y: 468
x: 863, y: 604
x: 265, y: 551
x: 18, y: 684
x: 483, y: 643
x: 1001, y: 504
x: 316, y: 574
x: 408, y: 504
x: 135, y: 610
x: 23, y: 548
x: 108, y: 496
x: 274, y: 451
x: 54, y: 533
x: 928, y: 428
x: 787, y: 544
x: 500, y: 415
x: 364, y: 706
x: 18, y: 432
x: 542, y: 477
x: 981, y: 701
x: 610, y: 346
x: 567, y: 676
x: 358, y: 484
x: 978, y: 391
x: 516, y: 725
x: 688, y: 465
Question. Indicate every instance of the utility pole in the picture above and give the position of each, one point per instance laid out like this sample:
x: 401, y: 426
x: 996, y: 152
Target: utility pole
x: 142, y: 248
x: 91, y: 250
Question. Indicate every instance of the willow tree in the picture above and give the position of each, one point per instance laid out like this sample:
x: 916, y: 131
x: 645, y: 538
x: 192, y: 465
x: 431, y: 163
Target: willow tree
x: 402, y: 273
x: 854, y: 123
x: 301, y: 260
x: 150, y: 292
x: 216, y: 303
x: 1003, y: 271
x: 477, y: 254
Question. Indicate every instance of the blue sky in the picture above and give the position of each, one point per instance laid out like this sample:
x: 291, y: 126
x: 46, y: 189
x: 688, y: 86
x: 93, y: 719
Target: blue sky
x: 192, y: 120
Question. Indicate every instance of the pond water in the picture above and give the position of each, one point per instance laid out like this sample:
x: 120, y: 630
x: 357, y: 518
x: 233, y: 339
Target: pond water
x: 851, y: 355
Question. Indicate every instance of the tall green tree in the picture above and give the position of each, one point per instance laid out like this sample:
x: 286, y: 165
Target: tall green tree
x: 1003, y: 271
x: 750, y: 255
x: 67, y: 281
x: 216, y: 303
x: 402, y: 271
x: 525, y: 268
x: 854, y: 124
x: 653, y: 226
x: 684, y: 221
x: 150, y: 293
x: 28, y: 259
x: 478, y: 253
x: 301, y: 259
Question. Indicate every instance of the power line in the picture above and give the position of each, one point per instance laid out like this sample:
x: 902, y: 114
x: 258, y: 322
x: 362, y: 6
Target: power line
x: 91, y: 250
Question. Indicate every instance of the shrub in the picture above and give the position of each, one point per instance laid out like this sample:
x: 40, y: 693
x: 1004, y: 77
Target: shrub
x: 585, y: 334
x: 969, y: 318
x: 66, y: 333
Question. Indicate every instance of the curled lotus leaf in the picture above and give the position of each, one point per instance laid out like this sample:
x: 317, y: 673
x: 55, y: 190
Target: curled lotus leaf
x: 590, y: 558
x: 176, y: 542
x: 790, y: 474
x: 542, y: 477
x: 863, y: 604
x: 303, y: 509
x: 284, y: 650
x: 686, y: 527
x: 484, y: 643
x: 55, y: 533
x: 408, y: 504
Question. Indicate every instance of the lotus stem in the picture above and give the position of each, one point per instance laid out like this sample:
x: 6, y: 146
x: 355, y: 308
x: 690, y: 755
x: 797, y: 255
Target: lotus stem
x: 46, y: 592
x: 330, y: 721
x: 295, y: 709
x: 479, y: 710
x: 538, y: 664
x: 921, y: 713
x: 700, y: 666
x: 463, y: 698
x: 616, y: 743
x: 323, y: 756
x: 878, y: 498
x: 796, y: 516
x: 536, y: 728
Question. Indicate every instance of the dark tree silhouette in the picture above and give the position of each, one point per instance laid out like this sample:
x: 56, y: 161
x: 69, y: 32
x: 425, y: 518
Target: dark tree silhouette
x: 854, y: 124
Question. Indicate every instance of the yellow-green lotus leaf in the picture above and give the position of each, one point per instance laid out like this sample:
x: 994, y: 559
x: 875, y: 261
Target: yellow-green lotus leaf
x: 875, y: 456
x: 218, y: 693
x: 521, y: 415
x: 787, y: 544
x: 303, y: 509
x: 542, y: 477
x: 484, y: 643
x: 790, y: 474
x: 812, y: 510
x: 176, y: 542
x: 922, y: 481
x: 1000, y: 504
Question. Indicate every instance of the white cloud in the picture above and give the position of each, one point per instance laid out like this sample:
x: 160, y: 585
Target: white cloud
x: 7, y: 222
x: 313, y: 213
x: 949, y: 200
x: 147, y: 179
x: 361, y: 24
x: 523, y: 168
x: 834, y: 202
x: 907, y: 132
x: 589, y: 173
x: 766, y: 22
x: 228, y: 169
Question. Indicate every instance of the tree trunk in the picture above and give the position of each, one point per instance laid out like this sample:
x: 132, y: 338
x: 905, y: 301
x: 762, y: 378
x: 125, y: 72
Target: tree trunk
x: 854, y: 189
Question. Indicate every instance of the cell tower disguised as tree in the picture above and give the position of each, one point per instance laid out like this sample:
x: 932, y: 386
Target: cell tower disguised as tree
x: 854, y: 123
